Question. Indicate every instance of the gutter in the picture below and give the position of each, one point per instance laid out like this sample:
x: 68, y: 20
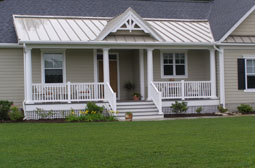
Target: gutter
x: 114, y: 43
x: 235, y: 44
x: 10, y: 45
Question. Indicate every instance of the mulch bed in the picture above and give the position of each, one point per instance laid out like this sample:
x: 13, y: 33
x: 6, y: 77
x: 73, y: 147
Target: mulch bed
x: 189, y: 115
x: 248, y: 113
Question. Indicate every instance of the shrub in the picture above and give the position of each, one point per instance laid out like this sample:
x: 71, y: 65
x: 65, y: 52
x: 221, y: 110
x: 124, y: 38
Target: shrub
x: 92, y: 107
x: 179, y: 107
x: 4, y: 109
x: 199, y: 109
x: 85, y: 116
x: 245, y: 108
x: 15, y: 114
x: 222, y: 109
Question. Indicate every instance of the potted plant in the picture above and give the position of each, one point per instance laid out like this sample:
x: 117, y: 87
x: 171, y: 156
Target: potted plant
x: 129, y: 86
x: 129, y: 116
x: 137, y: 96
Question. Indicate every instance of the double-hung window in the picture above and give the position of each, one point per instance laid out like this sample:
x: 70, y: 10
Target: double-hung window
x: 250, y: 73
x: 53, y: 67
x: 174, y: 64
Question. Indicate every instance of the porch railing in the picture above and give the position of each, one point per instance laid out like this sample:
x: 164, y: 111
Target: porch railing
x: 184, y: 89
x: 67, y: 92
x: 156, y: 97
x: 110, y: 95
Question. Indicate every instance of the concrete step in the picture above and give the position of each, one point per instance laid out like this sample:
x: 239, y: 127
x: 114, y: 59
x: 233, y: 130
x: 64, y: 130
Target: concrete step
x: 138, y: 110
x: 135, y: 103
x: 136, y: 107
x: 139, y: 113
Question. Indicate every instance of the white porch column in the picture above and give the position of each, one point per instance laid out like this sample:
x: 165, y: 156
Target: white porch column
x: 222, y: 78
x: 106, y: 65
x: 28, y: 75
x: 149, y: 70
x: 141, y: 63
x: 213, y: 73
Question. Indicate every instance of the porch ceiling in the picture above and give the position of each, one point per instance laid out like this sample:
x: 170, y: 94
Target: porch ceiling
x: 87, y: 29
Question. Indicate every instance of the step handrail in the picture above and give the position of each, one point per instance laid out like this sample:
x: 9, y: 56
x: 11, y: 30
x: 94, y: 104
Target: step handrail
x: 110, y: 97
x: 156, y: 96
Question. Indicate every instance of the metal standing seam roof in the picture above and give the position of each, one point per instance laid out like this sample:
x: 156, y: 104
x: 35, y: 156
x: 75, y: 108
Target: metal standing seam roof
x: 240, y: 39
x: 77, y: 29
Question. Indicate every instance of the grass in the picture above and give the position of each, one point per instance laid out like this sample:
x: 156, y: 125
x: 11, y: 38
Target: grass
x: 221, y: 142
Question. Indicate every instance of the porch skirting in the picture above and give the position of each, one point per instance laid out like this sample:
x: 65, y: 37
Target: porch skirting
x: 208, y: 109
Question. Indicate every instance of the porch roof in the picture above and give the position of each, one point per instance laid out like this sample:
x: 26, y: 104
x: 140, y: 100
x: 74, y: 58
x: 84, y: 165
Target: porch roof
x: 87, y: 29
x: 240, y: 39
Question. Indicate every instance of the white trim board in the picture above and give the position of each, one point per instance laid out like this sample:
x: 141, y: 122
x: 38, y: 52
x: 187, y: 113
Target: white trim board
x: 237, y: 24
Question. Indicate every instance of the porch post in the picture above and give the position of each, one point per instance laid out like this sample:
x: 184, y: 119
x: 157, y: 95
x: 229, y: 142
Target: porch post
x: 28, y: 75
x: 222, y: 77
x: 141, y: 63
x: 149, y: 70
x: 106, y: 65
x: 213, y: 73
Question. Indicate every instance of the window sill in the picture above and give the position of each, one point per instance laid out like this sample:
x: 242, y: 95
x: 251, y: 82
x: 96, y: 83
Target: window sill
x: 249, y: 90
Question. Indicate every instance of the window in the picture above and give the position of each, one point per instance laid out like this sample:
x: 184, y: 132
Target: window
x: 250, y: 73
x: 53, y: 67
x: 174, y: 64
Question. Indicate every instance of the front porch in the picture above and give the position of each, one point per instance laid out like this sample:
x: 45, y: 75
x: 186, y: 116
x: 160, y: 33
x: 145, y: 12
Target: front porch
x: 104, y: 82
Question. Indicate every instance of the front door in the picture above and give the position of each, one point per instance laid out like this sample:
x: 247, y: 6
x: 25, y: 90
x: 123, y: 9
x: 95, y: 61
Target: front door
x: 113, y: 74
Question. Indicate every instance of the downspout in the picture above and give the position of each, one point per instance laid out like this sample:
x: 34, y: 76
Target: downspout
x: 24, y: 102
x: 222, y: 76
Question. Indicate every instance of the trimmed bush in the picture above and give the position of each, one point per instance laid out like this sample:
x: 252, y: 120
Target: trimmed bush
x: 15, y: 114
x: 245, y: 108
x: 4, y: 109
x: 92, y: 107
x: 179, y: 107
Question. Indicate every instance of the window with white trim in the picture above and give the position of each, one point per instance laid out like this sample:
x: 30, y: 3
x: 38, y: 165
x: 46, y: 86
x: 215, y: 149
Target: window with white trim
x: 174, y: 64
x: 53, y: 67
x: 250, y: 73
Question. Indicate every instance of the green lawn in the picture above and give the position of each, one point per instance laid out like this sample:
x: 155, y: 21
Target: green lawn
x: 222, y: 142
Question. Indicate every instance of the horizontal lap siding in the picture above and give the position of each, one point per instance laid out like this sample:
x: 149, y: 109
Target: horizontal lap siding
x: 36, y: 66
x: 79, y: 66
x: 233, y: 95
x: 247, y: 27
x: 198, y: 66
x: 12, y: 75
x: 128, y: 71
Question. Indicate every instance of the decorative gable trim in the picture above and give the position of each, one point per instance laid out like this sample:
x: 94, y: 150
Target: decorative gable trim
x: 237, y: 24
x: 129, y: 20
